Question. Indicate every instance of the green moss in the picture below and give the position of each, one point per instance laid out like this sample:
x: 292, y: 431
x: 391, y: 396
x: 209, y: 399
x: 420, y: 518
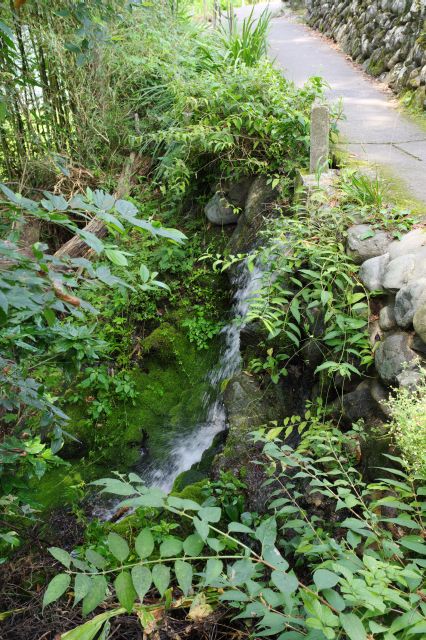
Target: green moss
x: 170, y: 382
x: 192, y: 491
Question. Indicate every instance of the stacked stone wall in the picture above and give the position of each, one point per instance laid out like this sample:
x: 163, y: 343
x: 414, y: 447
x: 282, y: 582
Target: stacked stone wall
x: 388, y: 37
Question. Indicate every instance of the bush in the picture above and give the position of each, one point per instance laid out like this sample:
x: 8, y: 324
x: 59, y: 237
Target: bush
x: 408, y: 424
x: 197, y: 110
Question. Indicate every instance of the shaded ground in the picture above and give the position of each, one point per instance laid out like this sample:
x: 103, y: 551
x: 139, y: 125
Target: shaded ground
x: 374, y: 129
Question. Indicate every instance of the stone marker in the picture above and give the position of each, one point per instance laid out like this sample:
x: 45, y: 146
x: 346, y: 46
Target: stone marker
x: 320, y: 133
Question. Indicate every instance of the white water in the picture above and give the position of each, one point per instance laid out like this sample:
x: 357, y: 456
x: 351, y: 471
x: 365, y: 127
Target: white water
x: 190, y: 444
x: 186, y: 447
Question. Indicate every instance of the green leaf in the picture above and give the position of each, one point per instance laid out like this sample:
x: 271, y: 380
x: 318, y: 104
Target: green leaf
x: 170, y: 547
x: 117, y: 487
x: 266, y: 532
x: 213, y: 569
x: 182, y: 503
x: 202, y: 527
x: 193, y: 545
x: 89, y: 630
x: 50, y: 317
x: 142, y: 580
x: 233, y: 596
x: 161, y: 577
x: 62, y: 556
x: 325, y: 579
x: 352, y: 626
x: 239, y: 528
x: 414, y: 543
x: 81, y: 587
x: 56, y: 587
x: 215, y: 544
x: 240, y: 572
x: 274, y: 557
x: 183, y: 571
x: 285, y: 582
x: 125, y: 208
x: 125, y: 591
x: 335, y: 599
x: 210, y: 514
x: 4, y: 304
x: 95, y: 595
x: 118, y: 546
x: 116, y: 257
x: 96, y: 559
x: 144, y: 544
x: 144, y: 273
x: 91, y: 240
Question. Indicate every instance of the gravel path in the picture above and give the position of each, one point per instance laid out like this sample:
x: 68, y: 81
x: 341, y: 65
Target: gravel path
x: 374, y: 129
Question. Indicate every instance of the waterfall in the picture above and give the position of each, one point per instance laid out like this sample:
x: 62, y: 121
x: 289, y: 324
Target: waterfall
x: 190, y: 445
x: 184, y: 450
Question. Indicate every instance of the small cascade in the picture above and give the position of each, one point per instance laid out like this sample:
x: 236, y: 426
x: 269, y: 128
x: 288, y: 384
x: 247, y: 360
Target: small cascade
x: 194, y: 439
x: 180, y: 453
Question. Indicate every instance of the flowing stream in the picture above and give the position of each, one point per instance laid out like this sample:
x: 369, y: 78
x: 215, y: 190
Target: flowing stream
x: 194, y: 439
x: 181, y: 450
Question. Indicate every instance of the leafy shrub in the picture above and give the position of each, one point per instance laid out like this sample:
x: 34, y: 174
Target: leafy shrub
x: 356, y: 573
x: 201, y: 329
x: 44, y: 314
x: 408, y: 424
x: 200, y: 114
x: 310, y: 294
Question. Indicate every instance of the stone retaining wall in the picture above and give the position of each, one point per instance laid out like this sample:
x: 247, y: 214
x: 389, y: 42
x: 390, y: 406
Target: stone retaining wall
x: 388, y: 37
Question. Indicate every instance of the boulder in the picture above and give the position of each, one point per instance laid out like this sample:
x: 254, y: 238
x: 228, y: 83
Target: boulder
x: 418, y: 345
x: 387, y: 317
x: 407, y: 300
x: 372, y: 272
x: 410, y: 243
x: 219, y: 211
x: 237, y: 192
x: 409, y: 378
x: 260, y: 195
x: 419, y: 321
x: 394, y: 356
x: 398, y: 272
x: 365, y: 243
x: 361, y: 403
x: 380, y: 395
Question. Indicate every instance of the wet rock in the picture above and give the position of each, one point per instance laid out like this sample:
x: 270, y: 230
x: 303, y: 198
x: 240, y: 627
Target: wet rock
x: 387, y: 318
x: 361, y: 403
x: 313, y: 352
x: 393, y: 356
x: 260, y: 195
x: 372, y: 272
x: 409, y: 378
x: 219, y: 211
x: 419, y: 321
x: 407, y: 300
x: 380, y: 394
x: 365, y: 243
x: 398, y: 272
x: 259, y: 199
x: 418, y: 345
x: 243, y: 402
x: 237, y: 192
x: 410, y: 243
x: 374, y: 332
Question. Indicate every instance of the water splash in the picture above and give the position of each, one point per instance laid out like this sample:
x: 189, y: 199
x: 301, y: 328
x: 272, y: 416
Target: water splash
x: 182, y: 451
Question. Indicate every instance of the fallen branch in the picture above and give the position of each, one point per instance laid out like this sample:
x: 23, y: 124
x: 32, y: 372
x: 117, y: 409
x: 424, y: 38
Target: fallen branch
x: 76, y: 247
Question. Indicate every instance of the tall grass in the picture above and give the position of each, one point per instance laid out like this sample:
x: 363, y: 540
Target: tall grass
x: 248, y: 44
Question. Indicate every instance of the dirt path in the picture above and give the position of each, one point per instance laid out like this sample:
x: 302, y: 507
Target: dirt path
x: 374, y: 129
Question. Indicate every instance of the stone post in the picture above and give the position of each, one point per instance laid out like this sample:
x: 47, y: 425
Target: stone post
x: 320, y: 133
